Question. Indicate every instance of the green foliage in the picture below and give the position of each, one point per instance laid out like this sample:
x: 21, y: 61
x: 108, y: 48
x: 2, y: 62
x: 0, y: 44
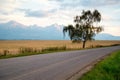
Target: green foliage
x: 5, y: 52
x: 29, y: 50
x: 49, y: 49
x: 84, y: 30
x: 108, y: 69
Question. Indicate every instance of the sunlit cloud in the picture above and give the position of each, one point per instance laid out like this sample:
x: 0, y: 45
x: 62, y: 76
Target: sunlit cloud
x: 61, y: 12
x: 114, y: 30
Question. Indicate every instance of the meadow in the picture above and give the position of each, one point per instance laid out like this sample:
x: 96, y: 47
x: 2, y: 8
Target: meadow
x: 13, y: 46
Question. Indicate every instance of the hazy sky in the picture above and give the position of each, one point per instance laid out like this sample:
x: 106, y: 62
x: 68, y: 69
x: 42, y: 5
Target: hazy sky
x: 62, y: 12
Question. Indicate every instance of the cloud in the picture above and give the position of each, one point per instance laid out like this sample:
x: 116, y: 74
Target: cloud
x: 98, y: 3
x: 44, y: 5
x: 38, y: 13
x: 62, y: 12
x: 109, y: 18
x: 8, y: 6
x: 86, y: 3
x: 114, y: 30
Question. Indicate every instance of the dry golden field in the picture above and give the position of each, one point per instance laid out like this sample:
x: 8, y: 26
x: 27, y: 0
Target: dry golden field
x: 14, y: 45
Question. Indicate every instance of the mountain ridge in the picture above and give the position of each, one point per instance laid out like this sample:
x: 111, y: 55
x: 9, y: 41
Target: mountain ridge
x: 13, y: 30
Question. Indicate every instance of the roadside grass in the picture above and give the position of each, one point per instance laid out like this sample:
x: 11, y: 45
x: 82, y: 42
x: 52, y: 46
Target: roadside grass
x: 27, y: 51
x: 13, y: 46
x: 32, y: 51
x: 108, y: 69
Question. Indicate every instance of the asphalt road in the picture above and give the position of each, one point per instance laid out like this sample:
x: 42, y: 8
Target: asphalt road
x: 54, y: 66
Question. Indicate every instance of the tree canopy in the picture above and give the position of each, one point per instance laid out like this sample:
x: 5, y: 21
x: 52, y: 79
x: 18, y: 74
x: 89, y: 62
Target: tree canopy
x: 85, y: 27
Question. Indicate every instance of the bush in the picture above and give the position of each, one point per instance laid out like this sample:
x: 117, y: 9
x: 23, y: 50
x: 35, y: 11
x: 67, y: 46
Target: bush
x: 28, y: 50
x: 5, y: 52
x: 49, y: 49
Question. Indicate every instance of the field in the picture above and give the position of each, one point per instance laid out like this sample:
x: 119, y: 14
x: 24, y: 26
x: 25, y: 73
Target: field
x: 13, y: 46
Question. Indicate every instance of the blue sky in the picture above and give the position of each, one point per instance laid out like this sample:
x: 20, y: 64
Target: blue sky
x: 46, y: 12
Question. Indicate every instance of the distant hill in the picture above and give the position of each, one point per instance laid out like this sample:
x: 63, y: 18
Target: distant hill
x: 16, y: 31
x: 105, y: 36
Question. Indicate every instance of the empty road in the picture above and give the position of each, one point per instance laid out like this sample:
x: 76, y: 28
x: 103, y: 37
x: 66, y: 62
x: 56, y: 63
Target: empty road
x: 53, y: 66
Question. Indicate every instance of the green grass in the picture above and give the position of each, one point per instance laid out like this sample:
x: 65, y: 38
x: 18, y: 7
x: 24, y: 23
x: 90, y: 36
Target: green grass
x: 108, y: 69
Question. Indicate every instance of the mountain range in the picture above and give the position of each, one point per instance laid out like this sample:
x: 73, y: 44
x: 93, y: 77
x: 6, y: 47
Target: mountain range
x: 13, y: 30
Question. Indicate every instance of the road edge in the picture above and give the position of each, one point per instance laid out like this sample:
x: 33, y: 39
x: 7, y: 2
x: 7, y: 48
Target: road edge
x: 87, y: 68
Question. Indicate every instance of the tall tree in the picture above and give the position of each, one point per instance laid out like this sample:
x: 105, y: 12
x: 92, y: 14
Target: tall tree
x: 85, y: 27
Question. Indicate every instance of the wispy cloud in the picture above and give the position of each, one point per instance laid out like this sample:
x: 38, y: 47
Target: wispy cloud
x: 86, y: 3
x: 99, y: 3
x: 29, y: 12
x: 37, y: 13
x: 7, y: 6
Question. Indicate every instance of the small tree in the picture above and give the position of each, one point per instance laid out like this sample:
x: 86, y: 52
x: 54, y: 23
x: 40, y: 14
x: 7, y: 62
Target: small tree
x: 85, y: 27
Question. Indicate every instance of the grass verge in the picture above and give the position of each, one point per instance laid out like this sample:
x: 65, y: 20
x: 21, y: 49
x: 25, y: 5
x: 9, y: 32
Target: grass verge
x: 108, y: 69
x: 32, y: 51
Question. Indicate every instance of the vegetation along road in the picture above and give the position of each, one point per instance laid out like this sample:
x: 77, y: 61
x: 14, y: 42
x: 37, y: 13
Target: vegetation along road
x: 53, y: 66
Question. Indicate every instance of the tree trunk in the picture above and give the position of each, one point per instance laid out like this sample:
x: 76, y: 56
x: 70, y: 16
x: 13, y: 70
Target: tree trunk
x: 84, y: 44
